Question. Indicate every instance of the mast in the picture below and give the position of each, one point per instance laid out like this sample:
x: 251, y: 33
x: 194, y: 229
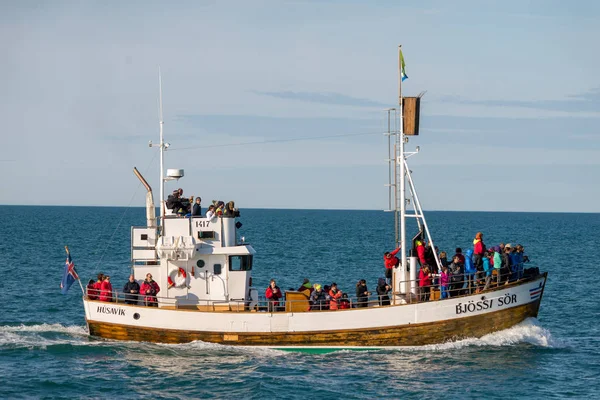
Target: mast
x: 401, y: 197
x: 162, y: 147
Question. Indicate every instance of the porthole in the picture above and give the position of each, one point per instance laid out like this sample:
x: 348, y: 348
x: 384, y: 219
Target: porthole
x: 136, y: 316
x: 200, y: 264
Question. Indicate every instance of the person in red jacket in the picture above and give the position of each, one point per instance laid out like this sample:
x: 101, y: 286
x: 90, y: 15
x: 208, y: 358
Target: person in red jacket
x: 149, y: 290
x: 390, y: 261
x: 421, y: 252
x: 106, y: 290
x: 94, y: 291
x: 478, y: 250
x: 424, y: 282
x: 334, y: 295
x: 91, y: 292
x: 273, y: 294
x: 460, y: 255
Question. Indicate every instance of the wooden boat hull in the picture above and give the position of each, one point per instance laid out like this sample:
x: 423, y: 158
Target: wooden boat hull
x: 407, y: 335
x: 461, y: 325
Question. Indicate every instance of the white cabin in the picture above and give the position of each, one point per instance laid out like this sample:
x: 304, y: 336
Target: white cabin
x: 217, y: 268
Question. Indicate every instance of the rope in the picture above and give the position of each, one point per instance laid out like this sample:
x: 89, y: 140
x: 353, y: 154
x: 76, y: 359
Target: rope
x: 123, y: 215
x: 274, y: 141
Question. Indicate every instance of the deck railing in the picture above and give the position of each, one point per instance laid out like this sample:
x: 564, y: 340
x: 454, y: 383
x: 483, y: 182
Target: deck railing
x: 472, y: 284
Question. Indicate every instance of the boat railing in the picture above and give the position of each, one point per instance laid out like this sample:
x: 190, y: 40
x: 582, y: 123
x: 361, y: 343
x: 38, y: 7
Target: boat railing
x: 472, y: 284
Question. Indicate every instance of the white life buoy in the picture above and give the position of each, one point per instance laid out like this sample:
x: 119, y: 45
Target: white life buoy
x: 177, y: 277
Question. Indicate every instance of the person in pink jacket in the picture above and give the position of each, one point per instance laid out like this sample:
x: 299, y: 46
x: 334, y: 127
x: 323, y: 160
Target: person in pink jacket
x: 444, y: 282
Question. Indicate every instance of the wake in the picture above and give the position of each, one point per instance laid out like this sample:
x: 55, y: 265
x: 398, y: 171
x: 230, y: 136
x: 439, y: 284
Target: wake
x: 527, y: 332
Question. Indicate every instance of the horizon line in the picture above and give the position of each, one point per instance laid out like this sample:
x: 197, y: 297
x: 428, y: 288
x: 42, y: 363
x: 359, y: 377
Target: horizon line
x: 317, y: 209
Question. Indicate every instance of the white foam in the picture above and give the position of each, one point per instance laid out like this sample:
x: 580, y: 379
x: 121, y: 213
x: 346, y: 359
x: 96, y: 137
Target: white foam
x: 528, y: 331
x: 32, y: 336
x: 71, y: 330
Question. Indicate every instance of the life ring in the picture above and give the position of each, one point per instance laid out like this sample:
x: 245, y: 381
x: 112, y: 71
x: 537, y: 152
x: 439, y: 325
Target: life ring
x: 177, y: 277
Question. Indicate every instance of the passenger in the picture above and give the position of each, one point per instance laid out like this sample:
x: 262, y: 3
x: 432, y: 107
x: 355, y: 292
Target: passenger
x: 457, y: 276
x: 197, y: 209
x: 489, y: 268
x: 443, y: 258
x: 174, y: 201
x: 98, y: 286
x: 519, y: 257
x: 306, y: 287
x: 390, y: 261
x: 106, y: 293
x: 344, y: 302
x: 318, y: 298
x: 91, y: 292
x: 210, y: 214
x: 514, y: 264
x: 273, y: 294
x: 185, y: 204
x: 362, y: 294
x: 424, y: 282
x: 230, y: 211
x: 525, y: 257
x: 469, y: 271
x: 421, y: 252
x: 483, y: 278
x: 461, y: 257
x: 382, y: 292
x: 219, y: 208
x: 131, y: 290
x: 497, y: 262
x: 150, y: 289
x: 334, y: 296
x: 430, y: 258
x: 444, y: 282
x: 478, y: 250
x: 505, y: 267
x: 326, y: 289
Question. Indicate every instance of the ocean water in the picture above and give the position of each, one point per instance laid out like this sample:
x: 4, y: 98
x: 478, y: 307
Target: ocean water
x: 45, y: 351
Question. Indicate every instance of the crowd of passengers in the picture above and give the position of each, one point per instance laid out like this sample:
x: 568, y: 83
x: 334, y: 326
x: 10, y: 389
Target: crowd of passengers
x: 144, y: 295
x: 473, y: 272
x: 188, y: 207
x: 477, y: 270
x: 329, y: 297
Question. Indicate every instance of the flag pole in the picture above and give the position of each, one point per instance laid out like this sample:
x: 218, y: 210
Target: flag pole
x: 402, y: 174
x: 78, y: 280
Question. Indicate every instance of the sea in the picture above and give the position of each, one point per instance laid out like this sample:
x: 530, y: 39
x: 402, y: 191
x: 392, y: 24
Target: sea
x: 45, y: 350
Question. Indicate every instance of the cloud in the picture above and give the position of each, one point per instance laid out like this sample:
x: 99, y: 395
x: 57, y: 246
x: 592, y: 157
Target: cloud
x: 324, y: 98
x: 583, y: 102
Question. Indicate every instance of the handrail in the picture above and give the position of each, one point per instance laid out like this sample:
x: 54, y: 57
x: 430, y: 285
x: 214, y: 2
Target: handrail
x: 455, y: 289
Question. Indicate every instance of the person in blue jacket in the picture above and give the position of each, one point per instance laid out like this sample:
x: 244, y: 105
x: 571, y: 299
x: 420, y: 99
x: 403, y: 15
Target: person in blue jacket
x: 470, y: 270
x: 486, y: 274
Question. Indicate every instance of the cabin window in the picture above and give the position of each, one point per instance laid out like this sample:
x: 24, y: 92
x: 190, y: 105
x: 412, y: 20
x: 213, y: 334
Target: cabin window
x: 144, y: 236
x: 217, y: 269
x: 240, y: 263
x: 200, y: 264
x: 206, y: 234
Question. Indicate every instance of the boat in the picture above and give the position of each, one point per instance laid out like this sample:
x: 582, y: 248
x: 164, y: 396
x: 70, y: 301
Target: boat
x: 204, y: 269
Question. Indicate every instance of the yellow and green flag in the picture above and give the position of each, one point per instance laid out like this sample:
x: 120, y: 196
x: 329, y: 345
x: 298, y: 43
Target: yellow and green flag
x: 402, y: 67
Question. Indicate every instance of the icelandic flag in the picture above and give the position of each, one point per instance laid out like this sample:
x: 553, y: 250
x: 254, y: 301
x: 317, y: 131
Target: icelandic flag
x: 69, y: 275
x: 402, y: 67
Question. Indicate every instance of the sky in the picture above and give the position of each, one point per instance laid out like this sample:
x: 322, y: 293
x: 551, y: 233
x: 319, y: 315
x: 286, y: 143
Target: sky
x: 509, y: 119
